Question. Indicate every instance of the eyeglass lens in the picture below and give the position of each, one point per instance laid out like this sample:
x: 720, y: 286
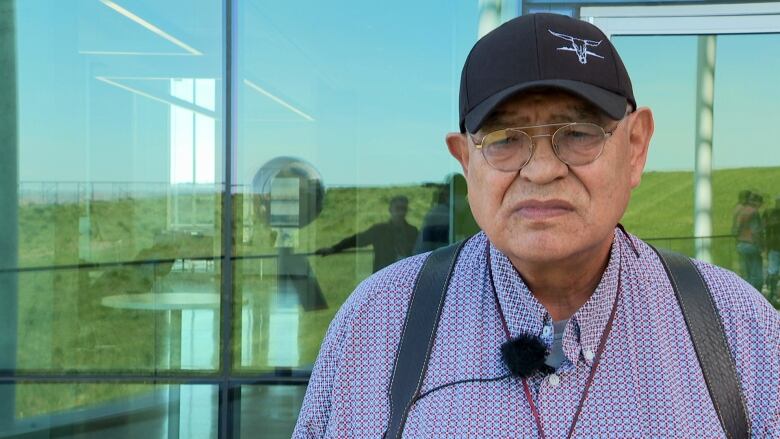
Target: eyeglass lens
x: 575, y: 144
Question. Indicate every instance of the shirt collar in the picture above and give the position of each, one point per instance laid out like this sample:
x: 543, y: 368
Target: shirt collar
x: 525, y: 315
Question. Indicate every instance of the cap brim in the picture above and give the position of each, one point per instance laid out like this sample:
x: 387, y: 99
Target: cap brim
x: 611, y: 103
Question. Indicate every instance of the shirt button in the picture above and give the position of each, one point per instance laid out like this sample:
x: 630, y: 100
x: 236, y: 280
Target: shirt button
x: 588, y: 354
x: 554, y: 380
x: 546, y: 331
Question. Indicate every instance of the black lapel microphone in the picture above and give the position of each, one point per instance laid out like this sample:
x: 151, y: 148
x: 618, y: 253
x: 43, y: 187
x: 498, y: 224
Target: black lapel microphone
x: 524, y: 355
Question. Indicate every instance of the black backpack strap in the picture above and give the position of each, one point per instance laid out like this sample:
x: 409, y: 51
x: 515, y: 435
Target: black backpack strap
x: 709, y: 342
x: 419, y: 334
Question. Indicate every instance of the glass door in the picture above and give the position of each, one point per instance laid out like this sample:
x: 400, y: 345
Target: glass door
x: 712, y: 179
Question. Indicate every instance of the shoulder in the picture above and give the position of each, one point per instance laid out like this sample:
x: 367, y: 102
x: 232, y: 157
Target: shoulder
x: 388, y: 291
x: 355, y: 358
x: 378, y: 306
x: 377, y: 301
x: 390, y: 286
x: 738, y: 300
x: 357, y: 355
x: 734, y: 298
x: 751, y: 326
x: 380, y: 227
x: 749, y: 321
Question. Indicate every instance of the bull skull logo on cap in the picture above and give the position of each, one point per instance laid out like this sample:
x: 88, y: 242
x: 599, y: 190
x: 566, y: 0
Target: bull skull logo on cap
x: 578, y: 46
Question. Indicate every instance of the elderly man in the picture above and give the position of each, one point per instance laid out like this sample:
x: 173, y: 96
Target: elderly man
x: 551, y: 145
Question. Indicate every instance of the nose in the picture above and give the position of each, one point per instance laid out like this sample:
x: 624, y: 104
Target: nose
x: 544, y: 166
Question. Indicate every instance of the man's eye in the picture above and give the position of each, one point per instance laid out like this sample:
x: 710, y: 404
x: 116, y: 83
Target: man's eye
x: 579, y: 137
x: 575, y: 134
x: 509, y: 142
x: 503, y: 143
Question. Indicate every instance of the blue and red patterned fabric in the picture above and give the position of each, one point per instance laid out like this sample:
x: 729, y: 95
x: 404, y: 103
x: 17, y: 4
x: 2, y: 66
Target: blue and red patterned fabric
x: 648, y: 383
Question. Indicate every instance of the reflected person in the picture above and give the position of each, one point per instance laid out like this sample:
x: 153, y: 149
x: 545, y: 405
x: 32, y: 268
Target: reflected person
x: 772, y: 227
x: 435, y: 230
x: 392, y: 240
x: 748, y: 230
x: 743, y: 198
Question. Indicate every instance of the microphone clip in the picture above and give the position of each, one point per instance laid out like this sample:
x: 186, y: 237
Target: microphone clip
x: 524, y: 355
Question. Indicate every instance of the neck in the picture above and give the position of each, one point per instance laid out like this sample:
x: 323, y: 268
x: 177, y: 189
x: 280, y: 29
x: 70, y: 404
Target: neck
x: 562, y: 287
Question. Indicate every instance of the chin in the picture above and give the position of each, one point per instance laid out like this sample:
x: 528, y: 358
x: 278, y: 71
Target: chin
x: 535, y: 245
x: 555, y: 242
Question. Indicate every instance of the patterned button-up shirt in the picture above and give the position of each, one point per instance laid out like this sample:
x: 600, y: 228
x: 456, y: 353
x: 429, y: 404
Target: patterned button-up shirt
x: 648, y: 382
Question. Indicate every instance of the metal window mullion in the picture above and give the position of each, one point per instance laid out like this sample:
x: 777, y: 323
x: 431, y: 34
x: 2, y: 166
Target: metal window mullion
x: 172, y: 379
x: 9, y: 187
x: 225, y: 423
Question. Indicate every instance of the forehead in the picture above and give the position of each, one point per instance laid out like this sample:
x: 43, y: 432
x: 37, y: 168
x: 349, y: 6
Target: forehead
x: 543, y: 106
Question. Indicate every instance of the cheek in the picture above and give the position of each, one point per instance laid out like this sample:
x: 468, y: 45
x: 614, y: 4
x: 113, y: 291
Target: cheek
x: 486, y: 191
x: 609, y: 197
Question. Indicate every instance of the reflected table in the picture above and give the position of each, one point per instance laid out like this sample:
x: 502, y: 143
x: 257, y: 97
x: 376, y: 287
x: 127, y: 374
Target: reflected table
x: 198, y: 314
x: 163, y: 301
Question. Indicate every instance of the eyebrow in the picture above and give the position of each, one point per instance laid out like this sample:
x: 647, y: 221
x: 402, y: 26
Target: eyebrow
x: 576, y: 113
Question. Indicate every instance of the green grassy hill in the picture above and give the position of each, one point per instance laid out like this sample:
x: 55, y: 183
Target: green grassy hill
x: 662, y: 207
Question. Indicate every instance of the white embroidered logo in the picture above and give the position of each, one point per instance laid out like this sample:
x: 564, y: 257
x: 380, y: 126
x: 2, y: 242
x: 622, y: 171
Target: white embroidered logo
x: 578, y: 46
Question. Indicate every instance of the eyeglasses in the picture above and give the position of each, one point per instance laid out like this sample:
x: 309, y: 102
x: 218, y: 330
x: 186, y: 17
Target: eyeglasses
x: 575, y: 144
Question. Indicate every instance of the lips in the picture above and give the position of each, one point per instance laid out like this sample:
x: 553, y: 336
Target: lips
x: 538, y: 210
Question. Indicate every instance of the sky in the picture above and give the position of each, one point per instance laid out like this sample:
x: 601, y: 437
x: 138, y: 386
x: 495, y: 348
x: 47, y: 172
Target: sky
x: 664, y: 75
x: 364, y: 91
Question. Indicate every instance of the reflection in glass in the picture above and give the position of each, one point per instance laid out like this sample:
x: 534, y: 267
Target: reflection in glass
x: 748, y: 229
x: 746, y: 180
x: 113, y: 410
x: 367, y: 109
x: 119, y: 195
x: 280, y: 405
x: 772, y: 230
x: 391, y: 240
x: 289, y: 196
x: 120, y: 163
x: 661, y: 208
x: 746, y: 167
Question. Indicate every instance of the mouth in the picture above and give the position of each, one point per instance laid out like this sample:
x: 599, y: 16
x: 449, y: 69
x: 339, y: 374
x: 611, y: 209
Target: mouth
x: 540, y: 210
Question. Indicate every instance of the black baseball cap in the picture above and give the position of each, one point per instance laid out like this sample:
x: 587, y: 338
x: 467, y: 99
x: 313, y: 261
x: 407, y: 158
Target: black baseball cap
x: 542, y: 51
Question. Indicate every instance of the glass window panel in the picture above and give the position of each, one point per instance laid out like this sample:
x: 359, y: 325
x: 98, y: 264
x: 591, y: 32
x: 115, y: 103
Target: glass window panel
x: 342, y: 167
x: 661, y: 208
x: 745, y: 158
x: 280, y: 406
x: 101, y: 410
x: 120, y: 159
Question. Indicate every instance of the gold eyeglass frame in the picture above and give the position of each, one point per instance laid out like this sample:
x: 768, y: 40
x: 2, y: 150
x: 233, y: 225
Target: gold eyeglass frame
x: 607, y: 135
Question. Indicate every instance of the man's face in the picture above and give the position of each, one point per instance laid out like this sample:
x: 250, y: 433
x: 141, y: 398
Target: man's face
x: 398, y: 211
x: 548, y: 211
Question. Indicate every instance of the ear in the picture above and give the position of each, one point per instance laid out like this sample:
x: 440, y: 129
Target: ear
x: 640, y: 130
x: 458, y: 144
